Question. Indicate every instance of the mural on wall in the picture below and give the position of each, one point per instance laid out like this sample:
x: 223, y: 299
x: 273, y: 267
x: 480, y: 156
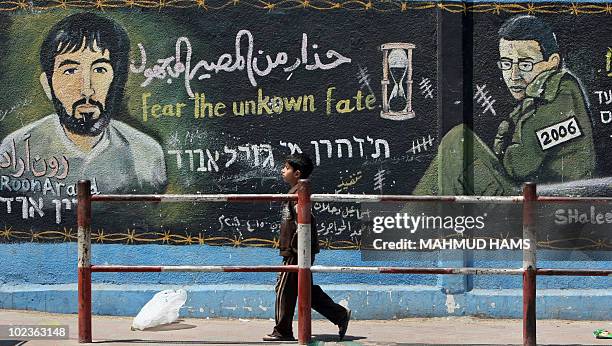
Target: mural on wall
x: 84, y: 59
x: 117, y: 99
x: 164, y: 102
x: 547, y: 137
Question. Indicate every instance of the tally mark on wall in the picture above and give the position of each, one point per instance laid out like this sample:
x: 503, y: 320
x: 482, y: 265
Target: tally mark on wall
x: 363, y: 77
x: 484, y: 100
x: 426, y: 88
x: 379, y: 180
x: 422, y: 144
x: 172, y: 67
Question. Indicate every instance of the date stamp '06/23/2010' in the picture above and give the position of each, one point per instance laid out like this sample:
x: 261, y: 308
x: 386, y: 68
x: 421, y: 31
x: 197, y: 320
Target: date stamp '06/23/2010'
x: 33, y: 332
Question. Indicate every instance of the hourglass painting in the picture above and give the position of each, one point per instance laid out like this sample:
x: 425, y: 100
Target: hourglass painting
x: 397, y: 74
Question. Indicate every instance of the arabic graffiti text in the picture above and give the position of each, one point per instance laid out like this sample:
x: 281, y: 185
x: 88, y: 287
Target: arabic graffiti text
x: 253, y: 61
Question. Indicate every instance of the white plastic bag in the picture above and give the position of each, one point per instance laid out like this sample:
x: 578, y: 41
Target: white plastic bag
x: 163, y: 308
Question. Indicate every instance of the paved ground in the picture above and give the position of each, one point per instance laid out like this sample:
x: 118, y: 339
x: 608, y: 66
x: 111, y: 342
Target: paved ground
x: 109, y: 330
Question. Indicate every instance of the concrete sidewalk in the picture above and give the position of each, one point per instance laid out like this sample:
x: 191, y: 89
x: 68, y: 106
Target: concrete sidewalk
x: 110, y: 330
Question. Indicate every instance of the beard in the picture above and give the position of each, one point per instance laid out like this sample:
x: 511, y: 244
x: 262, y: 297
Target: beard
x: 86, y: 125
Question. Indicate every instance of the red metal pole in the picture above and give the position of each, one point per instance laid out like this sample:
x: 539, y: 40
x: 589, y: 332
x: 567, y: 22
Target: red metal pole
x: 529, y: 307
x: 304, y: 263
x: 529, y: 265
x: 84, y: 262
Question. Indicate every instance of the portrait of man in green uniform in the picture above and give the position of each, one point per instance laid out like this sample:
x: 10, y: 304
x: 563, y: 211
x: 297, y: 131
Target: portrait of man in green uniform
x: 548, y: 137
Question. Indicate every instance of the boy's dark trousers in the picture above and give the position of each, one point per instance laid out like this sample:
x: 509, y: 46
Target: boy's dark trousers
x: 286, y: 298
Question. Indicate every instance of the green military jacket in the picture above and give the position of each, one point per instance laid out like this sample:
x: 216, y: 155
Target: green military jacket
x: 549, y: 135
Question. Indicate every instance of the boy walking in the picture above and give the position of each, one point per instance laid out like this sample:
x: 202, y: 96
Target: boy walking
x: 299, y: 166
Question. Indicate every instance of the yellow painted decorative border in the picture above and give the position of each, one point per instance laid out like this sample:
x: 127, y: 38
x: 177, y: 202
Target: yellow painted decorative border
x: 167, y: 237
x: 320, y: 5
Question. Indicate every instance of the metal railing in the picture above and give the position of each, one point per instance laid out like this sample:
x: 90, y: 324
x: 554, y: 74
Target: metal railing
x: 303, y: 267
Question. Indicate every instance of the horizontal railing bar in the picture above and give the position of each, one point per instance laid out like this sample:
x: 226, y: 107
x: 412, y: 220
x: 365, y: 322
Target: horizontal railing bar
x: 341, y: 198
x: 574, y: 272
x: 209, y: 269
x: 411, y: 198
x: 195, y: 198
x: 354, y: 270
x: 403, y: 270
x: 592, y: 200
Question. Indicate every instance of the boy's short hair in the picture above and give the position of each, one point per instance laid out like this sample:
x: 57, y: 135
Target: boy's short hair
x: 300, y: 162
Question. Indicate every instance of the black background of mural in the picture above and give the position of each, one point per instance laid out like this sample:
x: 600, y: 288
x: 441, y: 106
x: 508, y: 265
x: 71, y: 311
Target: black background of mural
x: 357, y: 35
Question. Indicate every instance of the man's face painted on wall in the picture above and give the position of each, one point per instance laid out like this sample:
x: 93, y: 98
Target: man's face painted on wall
x: 527, y: 63
x: 80, y: 86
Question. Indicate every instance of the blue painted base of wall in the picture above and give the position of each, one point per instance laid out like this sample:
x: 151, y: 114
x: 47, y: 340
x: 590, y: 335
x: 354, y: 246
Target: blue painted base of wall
x: 366, y: 302
x: 43, y: 277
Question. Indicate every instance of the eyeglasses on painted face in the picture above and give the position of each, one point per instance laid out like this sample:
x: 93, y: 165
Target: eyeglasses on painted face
x: 525, y: 66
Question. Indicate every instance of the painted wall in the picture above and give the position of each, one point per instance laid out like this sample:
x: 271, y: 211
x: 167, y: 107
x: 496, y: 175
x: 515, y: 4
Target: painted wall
x: 387, y: 98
